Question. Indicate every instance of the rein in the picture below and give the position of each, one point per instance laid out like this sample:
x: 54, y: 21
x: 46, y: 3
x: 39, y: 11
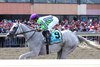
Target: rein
x: 25, y: 32
x: 31, y: 36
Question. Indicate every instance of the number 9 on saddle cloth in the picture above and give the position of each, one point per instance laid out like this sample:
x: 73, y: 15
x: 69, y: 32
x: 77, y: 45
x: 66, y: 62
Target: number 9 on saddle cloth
x: 52, y: 37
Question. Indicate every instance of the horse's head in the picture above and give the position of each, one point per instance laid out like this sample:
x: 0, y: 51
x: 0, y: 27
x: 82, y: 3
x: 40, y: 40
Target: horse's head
x: 20, y: 28
x: 13, y: 30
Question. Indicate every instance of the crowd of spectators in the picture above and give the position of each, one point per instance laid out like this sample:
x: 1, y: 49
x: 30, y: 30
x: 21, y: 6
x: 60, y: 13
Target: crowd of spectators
x: 82, y: 26
x: 5, y: 24
x: 79, y: 26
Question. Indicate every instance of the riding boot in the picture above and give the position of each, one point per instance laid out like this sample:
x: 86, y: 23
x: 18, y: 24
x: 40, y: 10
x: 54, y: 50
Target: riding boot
x: 48, y: 40
x: 46, y: 34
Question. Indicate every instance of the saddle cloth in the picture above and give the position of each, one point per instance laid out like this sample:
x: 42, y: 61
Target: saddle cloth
x: 56, y: 37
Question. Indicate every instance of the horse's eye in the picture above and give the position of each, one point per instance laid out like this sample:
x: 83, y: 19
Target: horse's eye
x: 14, y: 27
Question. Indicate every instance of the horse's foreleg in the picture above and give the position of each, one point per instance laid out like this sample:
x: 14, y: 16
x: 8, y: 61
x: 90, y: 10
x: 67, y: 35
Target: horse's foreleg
x: 66, y: 51
x: 28, y: 55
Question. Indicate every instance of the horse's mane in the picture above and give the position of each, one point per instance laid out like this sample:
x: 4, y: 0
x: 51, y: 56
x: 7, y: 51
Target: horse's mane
x: 25, y: 25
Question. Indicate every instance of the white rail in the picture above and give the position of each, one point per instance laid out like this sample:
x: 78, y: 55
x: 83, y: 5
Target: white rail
x: 78, y: 33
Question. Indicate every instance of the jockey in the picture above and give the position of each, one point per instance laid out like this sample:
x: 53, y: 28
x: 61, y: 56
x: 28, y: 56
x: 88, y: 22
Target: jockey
x: 46, y: 23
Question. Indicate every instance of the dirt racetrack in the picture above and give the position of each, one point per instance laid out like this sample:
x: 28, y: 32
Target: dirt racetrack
x: 82, y: 52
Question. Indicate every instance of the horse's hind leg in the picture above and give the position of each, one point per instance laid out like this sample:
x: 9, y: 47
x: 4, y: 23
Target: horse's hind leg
x: 59, y: 54
x: 28, y: 55
x: 66, y: 51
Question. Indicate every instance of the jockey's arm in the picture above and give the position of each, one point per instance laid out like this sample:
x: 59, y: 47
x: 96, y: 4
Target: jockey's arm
x: 42, y: 25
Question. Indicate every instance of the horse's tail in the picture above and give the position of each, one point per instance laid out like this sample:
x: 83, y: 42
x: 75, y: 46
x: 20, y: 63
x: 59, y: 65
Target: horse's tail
x: 88, y: 42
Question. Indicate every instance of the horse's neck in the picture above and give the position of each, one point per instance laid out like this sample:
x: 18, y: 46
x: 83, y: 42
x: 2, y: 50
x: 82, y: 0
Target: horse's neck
x: 25, y: 29
x: 31, y: 36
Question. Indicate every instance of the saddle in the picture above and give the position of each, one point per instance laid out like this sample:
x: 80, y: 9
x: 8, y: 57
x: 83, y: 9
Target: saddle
x: 55, y: 37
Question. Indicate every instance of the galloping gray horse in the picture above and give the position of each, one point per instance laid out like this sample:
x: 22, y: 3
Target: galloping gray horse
x: 37, y: 46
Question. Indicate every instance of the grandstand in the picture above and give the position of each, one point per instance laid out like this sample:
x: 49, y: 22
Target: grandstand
x: 82, y: 9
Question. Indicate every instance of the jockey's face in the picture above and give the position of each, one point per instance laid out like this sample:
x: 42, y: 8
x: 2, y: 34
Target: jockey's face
x: 34, y: 21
